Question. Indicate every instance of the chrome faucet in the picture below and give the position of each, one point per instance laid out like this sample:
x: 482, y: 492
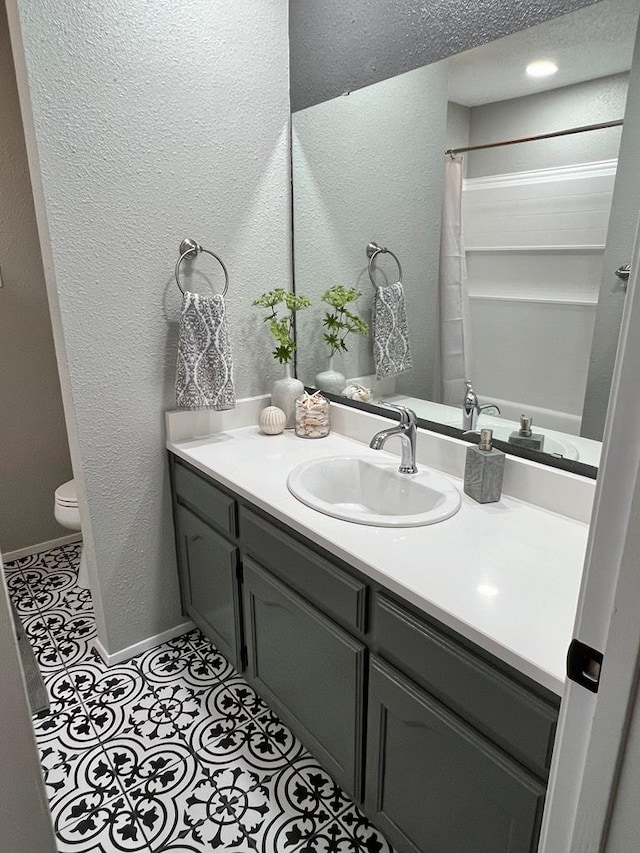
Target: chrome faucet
x: 471, y: 408
x: 406, y: 431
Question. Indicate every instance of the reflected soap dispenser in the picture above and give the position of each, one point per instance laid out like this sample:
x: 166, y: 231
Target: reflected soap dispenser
x: 484, y: 470
x: 525, y: 438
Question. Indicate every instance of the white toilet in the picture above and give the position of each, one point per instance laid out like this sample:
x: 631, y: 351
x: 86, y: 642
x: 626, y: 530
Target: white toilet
x: 65, y: 510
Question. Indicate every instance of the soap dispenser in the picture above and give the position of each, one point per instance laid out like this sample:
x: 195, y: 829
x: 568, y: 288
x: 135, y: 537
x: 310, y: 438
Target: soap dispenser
x: 484, y: 470
x: 525, y: 438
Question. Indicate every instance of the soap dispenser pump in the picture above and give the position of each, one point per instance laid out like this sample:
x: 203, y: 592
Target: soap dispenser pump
x: 525, y: 438
x: 484, y: 470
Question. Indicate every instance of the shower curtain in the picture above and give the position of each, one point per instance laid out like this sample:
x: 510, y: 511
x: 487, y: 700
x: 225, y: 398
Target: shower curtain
x: 452, y: 364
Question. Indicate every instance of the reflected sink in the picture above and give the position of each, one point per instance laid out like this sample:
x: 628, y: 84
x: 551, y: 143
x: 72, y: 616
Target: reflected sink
x: 501, y: 431
x: 555, y: 446
x: 364, y: 491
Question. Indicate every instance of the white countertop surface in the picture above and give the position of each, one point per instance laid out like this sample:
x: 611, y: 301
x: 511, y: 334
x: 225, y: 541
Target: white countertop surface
x: 505, y: 575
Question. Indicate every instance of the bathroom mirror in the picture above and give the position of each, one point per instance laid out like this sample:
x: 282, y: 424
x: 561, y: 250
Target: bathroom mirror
x: 545, y: 225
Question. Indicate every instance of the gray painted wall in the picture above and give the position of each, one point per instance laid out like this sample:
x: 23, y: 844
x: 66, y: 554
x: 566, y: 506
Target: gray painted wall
x: 146, y: 124
x: 24, y: 812
x: 557, y: 109
x: 458, y: 125
x: 622, y: 227
x: 370, y: 167
x: 35, y: 453
x: 339, y: 46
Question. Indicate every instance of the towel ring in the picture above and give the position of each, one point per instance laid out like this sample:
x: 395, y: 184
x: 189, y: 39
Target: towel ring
x: 190, y: 247
x: 374, y: 249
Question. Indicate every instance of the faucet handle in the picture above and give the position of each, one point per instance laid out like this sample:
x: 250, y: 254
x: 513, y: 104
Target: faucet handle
x: 407, y: 416
x: 470, y: 397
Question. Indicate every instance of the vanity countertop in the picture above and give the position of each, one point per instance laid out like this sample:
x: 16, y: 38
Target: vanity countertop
x: 505, y: 575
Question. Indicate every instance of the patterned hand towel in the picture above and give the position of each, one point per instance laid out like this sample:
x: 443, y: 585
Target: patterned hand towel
x: 204, y: 378
x: 391, y: 352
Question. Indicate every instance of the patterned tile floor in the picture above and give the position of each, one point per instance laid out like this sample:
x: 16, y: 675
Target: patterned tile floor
x: 170, y: 752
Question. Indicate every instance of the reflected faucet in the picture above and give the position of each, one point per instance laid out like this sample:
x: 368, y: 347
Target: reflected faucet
x: 471, y: 408
x: 406, y: 430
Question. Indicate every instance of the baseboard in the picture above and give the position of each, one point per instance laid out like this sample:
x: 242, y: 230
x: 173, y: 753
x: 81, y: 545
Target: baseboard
x: 40, y: 547
x: 131, y: 651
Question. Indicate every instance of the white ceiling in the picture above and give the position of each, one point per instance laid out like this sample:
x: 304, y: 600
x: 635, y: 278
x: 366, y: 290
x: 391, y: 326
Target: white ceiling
x: 593, y: 42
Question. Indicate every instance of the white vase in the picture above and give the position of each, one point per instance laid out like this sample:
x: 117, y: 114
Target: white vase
x: 331, y: 380
x: 284, y: 394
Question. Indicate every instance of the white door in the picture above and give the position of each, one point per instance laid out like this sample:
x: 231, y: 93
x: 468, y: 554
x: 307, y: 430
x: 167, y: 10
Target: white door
x: 592, y: 726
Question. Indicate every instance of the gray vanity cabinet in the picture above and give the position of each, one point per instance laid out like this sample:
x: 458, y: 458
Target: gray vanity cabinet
x: 209, y: 563
x: 434, y: 785
x: 449, y: 747
x: 484, y: 695
x: 310, y: 671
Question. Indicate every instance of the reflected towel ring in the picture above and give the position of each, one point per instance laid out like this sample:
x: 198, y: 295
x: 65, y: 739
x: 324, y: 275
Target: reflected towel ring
x: 374, y: 249
x: 188, y: 248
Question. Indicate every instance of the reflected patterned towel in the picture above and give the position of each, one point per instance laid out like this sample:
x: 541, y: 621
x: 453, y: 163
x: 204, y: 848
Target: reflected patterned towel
x: 390, y: 332
x: 204, y: 378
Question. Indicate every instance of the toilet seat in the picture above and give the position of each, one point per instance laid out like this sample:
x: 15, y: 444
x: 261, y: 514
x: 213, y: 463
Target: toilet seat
x: 66, y: 494
x: 67, y: 514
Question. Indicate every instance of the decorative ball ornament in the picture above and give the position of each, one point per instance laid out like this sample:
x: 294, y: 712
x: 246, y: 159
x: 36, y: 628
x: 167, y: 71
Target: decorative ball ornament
x: 272, y: 420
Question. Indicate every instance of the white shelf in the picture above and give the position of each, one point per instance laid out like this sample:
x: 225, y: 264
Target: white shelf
x: 594, y: 249
x: 537, y: 300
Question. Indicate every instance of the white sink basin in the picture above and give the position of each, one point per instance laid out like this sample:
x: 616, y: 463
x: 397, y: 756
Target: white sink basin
x: 367, y: 492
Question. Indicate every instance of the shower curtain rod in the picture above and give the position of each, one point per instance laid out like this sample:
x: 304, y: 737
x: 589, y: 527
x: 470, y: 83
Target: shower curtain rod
x: 568, y: 132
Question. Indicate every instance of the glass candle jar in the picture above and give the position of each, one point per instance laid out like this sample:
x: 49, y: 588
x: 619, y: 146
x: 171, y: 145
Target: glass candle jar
x: 312, y: 416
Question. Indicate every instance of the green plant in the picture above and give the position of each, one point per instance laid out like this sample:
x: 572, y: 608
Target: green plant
x: 282, y: 327
x: 340, y: 322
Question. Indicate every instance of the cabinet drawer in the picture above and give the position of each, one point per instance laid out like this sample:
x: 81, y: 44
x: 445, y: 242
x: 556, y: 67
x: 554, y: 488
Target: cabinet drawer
x: 206, y: 500
x: 515, y: 718
x: 435, y: 784
x: 311, y: 672
x: 323, y: 583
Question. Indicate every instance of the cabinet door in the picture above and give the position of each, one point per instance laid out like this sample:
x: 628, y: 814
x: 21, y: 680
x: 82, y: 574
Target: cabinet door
x: 434, y: 785
x: 309, y: 670
x: 210, y: 585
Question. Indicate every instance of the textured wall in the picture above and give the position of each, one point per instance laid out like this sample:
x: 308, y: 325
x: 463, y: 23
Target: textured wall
x: 152, y: 122
x: 339, y: 46
x: 622, y: 229
x: 35, y: 454
x: 370, y: 167
x: 570, y: 106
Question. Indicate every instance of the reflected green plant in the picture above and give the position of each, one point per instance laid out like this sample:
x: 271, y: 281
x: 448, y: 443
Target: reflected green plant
x: 341, y: 322
x: 281, y: 327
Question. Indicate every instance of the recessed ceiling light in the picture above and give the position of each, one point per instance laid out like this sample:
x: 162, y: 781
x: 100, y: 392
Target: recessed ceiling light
x: 487, y: 590
x: 541, y: 68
